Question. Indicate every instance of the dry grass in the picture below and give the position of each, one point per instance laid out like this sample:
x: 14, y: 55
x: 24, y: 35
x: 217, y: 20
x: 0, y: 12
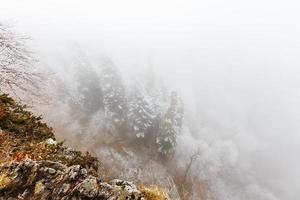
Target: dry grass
x: 23, y: 135
x: 154, y: 193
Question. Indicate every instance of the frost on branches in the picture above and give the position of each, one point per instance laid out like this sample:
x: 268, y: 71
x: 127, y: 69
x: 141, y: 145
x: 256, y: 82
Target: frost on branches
x: 141, y: 114
x: 114, y: 96
x: 170, y: 126
x: 17, y: 75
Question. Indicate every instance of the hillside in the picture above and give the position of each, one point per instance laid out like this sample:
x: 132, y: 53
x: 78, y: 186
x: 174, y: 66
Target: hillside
x: 33, y: 165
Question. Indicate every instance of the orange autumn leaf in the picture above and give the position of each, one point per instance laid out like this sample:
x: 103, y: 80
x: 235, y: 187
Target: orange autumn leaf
x: 19, y: 156
x: 2, y: 113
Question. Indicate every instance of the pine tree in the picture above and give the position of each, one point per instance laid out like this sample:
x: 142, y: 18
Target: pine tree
x: 170, y: 126
x: 156, y: 98
x: 88, y: 88
x: 180, y: 114
x: 115, y: 103
x: 140, y: 113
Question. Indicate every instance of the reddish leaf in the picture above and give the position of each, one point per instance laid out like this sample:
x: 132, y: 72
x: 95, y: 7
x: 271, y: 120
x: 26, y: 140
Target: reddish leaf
x: 2, y: 113
x: 19, y: 157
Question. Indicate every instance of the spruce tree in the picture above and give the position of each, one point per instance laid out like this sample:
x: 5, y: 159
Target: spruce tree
x: 157, y: 100
x: 115, y: 102
x: 170, y: 126
x: 140, y: 113
x: 88, y: 88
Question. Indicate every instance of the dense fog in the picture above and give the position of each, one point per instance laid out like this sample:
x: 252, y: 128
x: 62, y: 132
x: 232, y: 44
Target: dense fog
x: 233, y: 63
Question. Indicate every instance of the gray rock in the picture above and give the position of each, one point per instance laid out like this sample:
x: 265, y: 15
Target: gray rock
x: 88, y: 187
x: 73, y: 172
x: 56, y: 181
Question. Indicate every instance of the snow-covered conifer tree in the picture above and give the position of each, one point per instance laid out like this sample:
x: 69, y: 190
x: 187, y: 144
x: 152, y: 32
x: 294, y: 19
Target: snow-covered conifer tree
x: 115, y: 103
x: 170, y: 126
x: 140, y: 113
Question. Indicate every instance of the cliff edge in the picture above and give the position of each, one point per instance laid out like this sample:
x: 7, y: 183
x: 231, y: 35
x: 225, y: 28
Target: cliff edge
x: 33, y: 165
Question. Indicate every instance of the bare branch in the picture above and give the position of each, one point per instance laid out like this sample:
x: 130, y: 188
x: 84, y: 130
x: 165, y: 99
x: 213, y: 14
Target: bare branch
x: 17, y: 70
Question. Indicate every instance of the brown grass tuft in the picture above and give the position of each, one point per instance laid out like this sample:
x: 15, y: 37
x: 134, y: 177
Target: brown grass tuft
x: 154, y: 193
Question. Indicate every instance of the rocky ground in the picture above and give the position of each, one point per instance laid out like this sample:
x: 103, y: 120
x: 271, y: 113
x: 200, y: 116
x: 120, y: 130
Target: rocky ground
x: 33, y: 165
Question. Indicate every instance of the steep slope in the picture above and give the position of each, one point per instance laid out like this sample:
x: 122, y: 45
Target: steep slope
x: 33, y: 165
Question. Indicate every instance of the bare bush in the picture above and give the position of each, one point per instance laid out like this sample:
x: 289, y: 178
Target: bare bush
x: 18, y: 75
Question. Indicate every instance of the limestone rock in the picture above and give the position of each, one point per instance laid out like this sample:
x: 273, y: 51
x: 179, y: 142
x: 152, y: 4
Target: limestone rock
x: 31, y: 179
